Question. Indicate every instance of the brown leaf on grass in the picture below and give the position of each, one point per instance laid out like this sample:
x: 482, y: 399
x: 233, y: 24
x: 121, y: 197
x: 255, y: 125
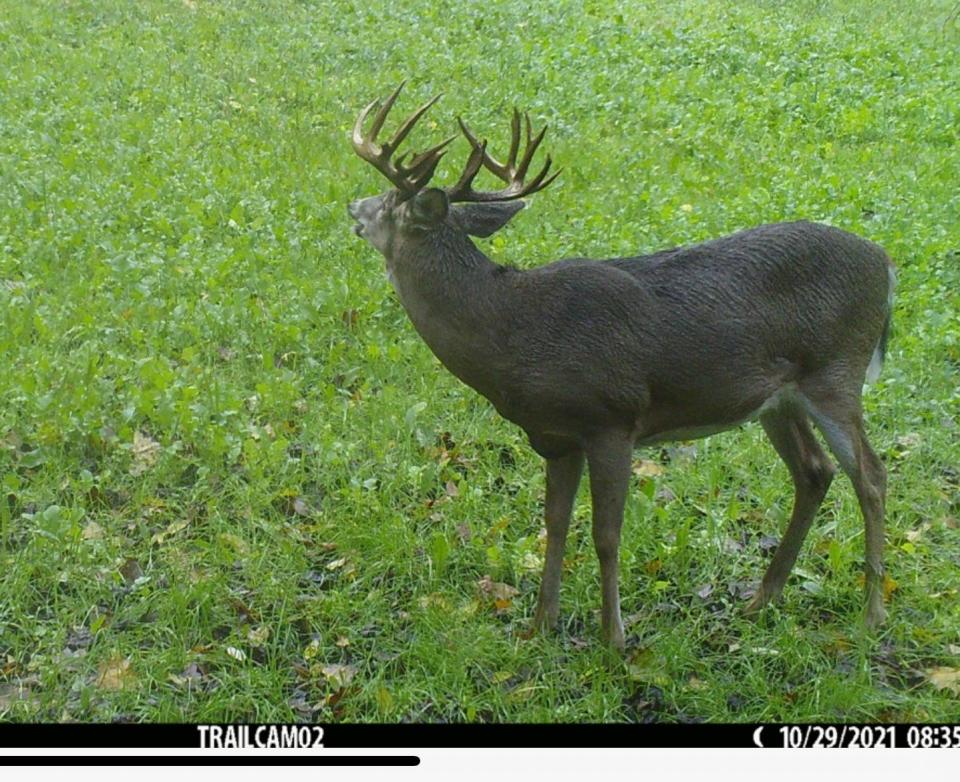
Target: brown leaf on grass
x: 463, y: 532
x: 131, y: 571
x: 434, y: 600
x: 115, y: 674
x: 647, y: 469
x: 769, y: 542
x: 705, y: 591
x: 451, y: 489
x: 258, y: 636
x: 15, y: 692
x: 339, y: 675
x: 235, y: 542
x: 944, y: 678
x: 496, y: 589
x: 92, y: 531
x: 146, y: 451
x: 889, y: 585
x: 9, y: 667
x: 191, y: 675
x: 913, y: 535
x: 906, y: 443
x: 172, y: 529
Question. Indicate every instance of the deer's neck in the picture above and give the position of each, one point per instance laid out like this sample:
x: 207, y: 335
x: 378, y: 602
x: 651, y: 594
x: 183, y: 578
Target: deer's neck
x: 454, y: 296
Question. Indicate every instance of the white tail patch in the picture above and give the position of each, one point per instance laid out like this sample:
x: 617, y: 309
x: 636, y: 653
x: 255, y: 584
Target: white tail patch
x: 876, y: 360
x: 876, y: 364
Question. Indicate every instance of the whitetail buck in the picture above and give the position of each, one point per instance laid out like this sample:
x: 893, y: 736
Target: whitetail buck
x: 594, y: 358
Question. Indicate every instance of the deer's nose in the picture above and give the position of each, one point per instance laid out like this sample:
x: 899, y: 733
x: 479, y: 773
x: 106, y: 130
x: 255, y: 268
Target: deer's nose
x: 353, y: 209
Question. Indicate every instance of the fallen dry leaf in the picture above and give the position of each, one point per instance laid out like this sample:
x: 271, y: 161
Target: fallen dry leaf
x: 338, y: 674
x: 434, y: 600
x: 906, y: 443
x: 172, y: 529
x: 131, y: 571
x: 238, y: 544
x: 92, y: 531
x: 647, y: 469
x: 913, y: 535
x: 146, y: 451
x: 116, y: 673
x: 13, y: 693
x: 496, y: 589
x: 258, y: 636
x: 191, y: 675
x: 889, y: 585
x: 502, y: 605
x: 236, y: 654
x: 944, y: 678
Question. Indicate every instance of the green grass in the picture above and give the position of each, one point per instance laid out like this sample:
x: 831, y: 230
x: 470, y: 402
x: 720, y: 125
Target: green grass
x: 228, y: 465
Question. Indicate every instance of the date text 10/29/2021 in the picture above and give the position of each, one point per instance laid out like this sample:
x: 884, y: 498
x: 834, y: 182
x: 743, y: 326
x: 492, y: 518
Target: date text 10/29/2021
x: 861, y: 736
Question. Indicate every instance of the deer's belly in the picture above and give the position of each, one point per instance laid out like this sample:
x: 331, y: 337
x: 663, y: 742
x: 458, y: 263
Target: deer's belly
x: 786, y: 396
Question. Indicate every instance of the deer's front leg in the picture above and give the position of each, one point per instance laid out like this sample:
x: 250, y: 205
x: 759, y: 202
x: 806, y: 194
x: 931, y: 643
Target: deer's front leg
x: 563, y: 478
x: 609, y: 461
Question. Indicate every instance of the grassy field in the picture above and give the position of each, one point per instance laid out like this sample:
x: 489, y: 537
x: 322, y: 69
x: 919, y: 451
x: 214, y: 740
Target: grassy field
x: 235, y: 485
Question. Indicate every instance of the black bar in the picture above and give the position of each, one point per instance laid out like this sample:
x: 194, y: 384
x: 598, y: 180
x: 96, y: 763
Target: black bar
x: 363, y: 736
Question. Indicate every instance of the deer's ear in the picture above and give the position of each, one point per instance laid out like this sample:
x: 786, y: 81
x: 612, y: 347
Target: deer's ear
x: 429, y: 208
x: 483, y: 219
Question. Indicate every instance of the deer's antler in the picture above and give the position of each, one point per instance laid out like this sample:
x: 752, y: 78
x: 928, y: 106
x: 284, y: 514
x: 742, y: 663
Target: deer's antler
x: 511, y: 172
x: 407, y: 177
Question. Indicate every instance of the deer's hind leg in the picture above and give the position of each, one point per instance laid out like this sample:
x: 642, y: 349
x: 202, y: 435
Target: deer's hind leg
x: 812, y: 472
x: 839, y: 417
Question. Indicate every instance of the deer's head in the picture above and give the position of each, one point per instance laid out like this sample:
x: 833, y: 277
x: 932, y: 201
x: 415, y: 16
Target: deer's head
x: 412, y: 210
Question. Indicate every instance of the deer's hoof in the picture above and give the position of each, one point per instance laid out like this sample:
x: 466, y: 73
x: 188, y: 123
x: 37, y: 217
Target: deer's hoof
x: 760, y: 601
x: 614, y: 638
x: 544, y: 622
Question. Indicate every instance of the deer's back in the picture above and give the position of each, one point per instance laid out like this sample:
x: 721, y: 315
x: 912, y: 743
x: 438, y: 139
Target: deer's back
x: 700, y: 335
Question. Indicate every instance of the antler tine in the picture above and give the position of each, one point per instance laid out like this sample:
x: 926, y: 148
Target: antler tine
x: 540, y: 181
x: 422, y: 165
x: 382, y: 114
x: 515, y: 138
x: 463, y: 187
x: 408, y: 123
x: 406, y: 178
x: 510, y: 172
x: 532, y: 144
x: 359, y: 141
x: 418, y: 159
